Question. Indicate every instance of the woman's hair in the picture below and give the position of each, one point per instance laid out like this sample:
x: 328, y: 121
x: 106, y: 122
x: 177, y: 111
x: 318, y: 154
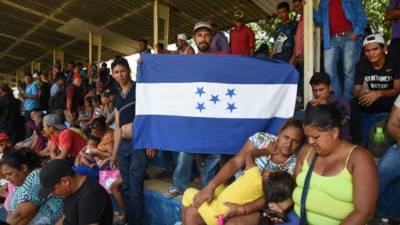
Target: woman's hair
x: 23, y: 156
x: 118, y: 60
x: 324, y: 117
x: 277, y: 188
x: 292, y: 122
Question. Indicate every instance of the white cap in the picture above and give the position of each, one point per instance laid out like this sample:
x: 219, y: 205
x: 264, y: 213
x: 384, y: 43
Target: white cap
x: 181, y: 37
x: 373, y: 38
x: 202, y: 25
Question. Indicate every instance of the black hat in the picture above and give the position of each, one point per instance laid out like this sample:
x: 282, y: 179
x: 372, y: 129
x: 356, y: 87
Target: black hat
x: 51, y: 173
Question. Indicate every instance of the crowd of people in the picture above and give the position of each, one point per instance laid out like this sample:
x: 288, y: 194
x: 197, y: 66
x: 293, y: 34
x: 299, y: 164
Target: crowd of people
x: 65, y: 140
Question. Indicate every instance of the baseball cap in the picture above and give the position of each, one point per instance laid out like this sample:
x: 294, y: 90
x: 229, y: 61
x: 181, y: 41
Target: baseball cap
x: 202, y: 24
x: 53, y: 120
x: 51, y: 173
x: 4, y: 136
x: 76, y: 76
x: 373, y: 38
x: 181, y: 37
x: 238, y: 15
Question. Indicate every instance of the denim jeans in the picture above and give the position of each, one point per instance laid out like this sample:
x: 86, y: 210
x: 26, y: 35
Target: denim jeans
x: 132, y: 165
x: 347, y: 51
x: 183, y: 170
x: 389, y: 184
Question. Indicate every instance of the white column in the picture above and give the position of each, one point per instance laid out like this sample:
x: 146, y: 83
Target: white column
x: 155, y: 25
x: 310, y: 55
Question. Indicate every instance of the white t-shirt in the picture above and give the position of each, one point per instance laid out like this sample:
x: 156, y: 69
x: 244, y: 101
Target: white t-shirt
x: 397, y: 102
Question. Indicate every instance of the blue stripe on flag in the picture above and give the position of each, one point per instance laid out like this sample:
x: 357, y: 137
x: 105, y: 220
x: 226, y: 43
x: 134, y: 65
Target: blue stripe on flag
x: 214, y: 68
x: 198, y: 135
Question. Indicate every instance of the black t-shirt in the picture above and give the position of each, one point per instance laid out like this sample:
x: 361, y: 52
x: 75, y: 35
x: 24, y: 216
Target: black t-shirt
x: 125, y: 104
x: 9, y: 112
x: 44, y: 97
x: 381, y: 79
x: 89, y: 204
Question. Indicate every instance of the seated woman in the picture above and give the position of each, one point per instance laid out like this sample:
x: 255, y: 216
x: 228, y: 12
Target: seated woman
x: 37, y: 141
x: 21, y: 168
x: 276, y: 153
x: 337, y: 182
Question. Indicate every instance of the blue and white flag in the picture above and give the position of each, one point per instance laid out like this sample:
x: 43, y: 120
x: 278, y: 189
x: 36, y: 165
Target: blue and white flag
x: 210, y: 103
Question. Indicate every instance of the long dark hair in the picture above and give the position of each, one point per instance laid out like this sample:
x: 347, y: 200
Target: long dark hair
x: 24, y: 156
x: 277, y: 187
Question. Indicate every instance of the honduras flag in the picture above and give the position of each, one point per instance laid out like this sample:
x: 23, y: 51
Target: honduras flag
x: 210, y: 103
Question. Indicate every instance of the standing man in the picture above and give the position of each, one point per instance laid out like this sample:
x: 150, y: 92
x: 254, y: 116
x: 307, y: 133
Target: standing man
x: 393, y: 15
x: 85, y: 200
x: 182, y: 45
x: 132, y: 163
x: 377, y: 83
x: 242, y: 39
x: 180, y: 180
x: 343, y: 24
x: 74, y: 99
x: 30, y: 97
x: 143, y: 47
x: 219, y: 42
x: 284, y: 35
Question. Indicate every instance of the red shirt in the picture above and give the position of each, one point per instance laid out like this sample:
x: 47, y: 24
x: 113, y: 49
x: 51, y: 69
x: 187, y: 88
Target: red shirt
x: 337, y: 20
x: 68, y: 139
x: 241, y: 40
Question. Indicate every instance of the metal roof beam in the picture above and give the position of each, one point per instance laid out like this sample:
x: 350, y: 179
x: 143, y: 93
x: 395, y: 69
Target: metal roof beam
x: 266, y: 6
x: 34, y: 29
x: 24, y: 41
x: 36, y: 13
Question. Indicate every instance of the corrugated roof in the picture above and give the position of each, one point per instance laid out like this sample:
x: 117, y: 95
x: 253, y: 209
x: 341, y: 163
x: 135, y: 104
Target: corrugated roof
x: 28, y: 28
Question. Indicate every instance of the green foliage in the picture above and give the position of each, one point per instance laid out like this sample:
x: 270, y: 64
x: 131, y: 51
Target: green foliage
x: 375, y: 11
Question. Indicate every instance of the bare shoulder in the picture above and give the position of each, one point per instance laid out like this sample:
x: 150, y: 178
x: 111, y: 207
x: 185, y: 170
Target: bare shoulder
x: 361, y: 158
x: 304, y: 150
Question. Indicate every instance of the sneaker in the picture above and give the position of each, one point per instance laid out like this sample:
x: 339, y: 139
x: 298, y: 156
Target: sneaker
x: 173, y: 193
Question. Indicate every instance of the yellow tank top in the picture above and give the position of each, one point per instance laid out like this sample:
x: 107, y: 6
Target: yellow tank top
x: 329, y: 199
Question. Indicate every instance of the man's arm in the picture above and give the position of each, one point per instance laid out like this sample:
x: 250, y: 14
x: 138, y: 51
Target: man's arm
x: 391, y: 92
x: 23, y: 214
x: 393, y: 124
x: 252, y: 42
x: 117, y: 139
x: 361, y: 19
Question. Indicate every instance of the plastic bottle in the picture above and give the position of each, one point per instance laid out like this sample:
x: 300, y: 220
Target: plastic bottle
x: 379, y: 136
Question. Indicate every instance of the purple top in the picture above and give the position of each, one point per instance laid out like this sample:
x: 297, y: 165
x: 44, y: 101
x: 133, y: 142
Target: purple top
x: 344, y: 105
x: 395, y: 4
x: 219, y: 43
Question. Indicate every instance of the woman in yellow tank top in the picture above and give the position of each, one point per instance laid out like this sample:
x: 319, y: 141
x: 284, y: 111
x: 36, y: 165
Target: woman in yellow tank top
x: 343, y: 181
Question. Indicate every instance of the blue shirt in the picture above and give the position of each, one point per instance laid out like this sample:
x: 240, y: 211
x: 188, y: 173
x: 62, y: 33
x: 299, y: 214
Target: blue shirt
x: 54, y: 89
x: 31, y: 90
x: 353, y: 11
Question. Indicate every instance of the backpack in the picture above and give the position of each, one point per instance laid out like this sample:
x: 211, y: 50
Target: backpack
x: 58, y: 101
